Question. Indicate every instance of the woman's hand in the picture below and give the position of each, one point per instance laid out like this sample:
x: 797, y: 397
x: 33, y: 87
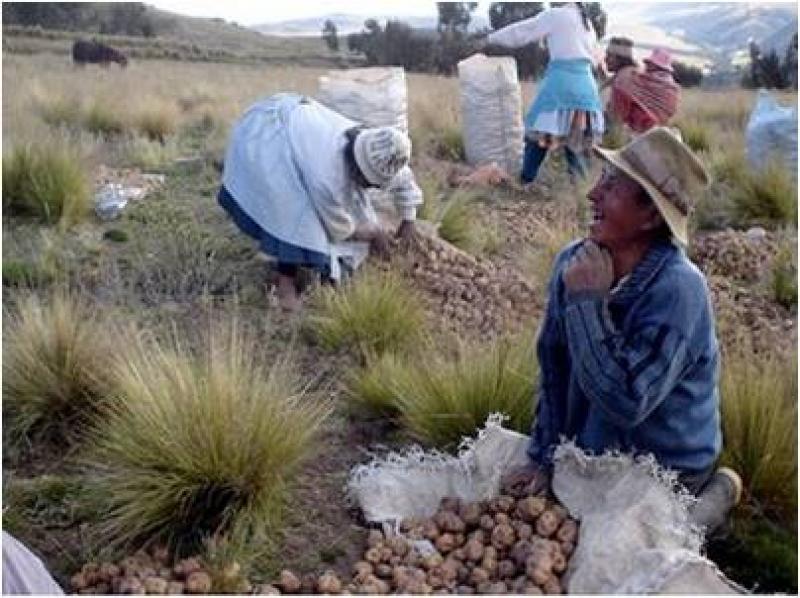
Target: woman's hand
x: 525, y: 480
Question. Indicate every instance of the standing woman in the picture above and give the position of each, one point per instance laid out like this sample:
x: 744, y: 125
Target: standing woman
x: 567, y: 109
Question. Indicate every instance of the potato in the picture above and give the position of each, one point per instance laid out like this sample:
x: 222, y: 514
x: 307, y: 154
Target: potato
x: 546, y: 524
x: 459, y: 554
x: 329, y: 583
x: 552, y: 586
x: 503, y: 536
x: 268, y: 590
x: 567, y: 548
x: 568, y: 531
x: 470, y: 513
x: 386, y: 553
x: 531, y: 589
x: 490, y: 552
x: 361, y: 569
x: 161, y: 554
x: 373, y: 555
x: 374, y: 538
x: 108, y: 571
x: 155, y: 585
x: 78, y: 582
x: 478, y: 576
x: 198, y: 582
x: 130, y: 585
x: 538, y: 576
x: 487, y: 522
x: 502, y: 518
x: 473, y: 550
x: 522, y: 529
x: 448, y: 521
x: 560, y: 511
x: 492, y: 588
x: 430, y: 531
x: 417, y: 588
x: 288, y: 582
x: 479, y: 535
x: 398, y: 544
x: 175, y: 588
x: 431, y: 561
x: 445, y: 543
x: 505, y: 503
x: 187, y: 566
x: 559, y: 562
x: 506, y: 569
x: 528, y: 509
x: 520, y: 552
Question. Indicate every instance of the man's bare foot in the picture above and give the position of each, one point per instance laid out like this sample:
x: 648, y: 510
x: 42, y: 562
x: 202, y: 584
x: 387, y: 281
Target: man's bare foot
x: 288, y: 297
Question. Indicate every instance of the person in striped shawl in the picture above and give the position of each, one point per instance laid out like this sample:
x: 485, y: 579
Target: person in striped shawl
x: 627, y: 349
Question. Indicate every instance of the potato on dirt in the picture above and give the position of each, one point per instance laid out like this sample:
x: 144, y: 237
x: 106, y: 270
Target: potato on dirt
x: 503, y: 536
x: 161, y: 554
x: 445, y: 543
x: 288, y: 582
x: 506, y: 569
x: 568, y: 531
x: 130, y: 585
x: 478, y: 576
x: 198, y: 582
x: 108, y: 571
x: 567, y: 548
x: 465, y: 590
x: 470, y: 513
x: 473, y: 550
x: 492, y: 588
x: 528, y: 509
x: 187, y: 566
x: 329, y: 583
x: 448, y: 521
x: 398, y: 544
x: 374, y: 538
x: 487, y: 523
x: 546, y: 524
x: 155, y: 585
x: 268, y: 590
x: 552, y: 586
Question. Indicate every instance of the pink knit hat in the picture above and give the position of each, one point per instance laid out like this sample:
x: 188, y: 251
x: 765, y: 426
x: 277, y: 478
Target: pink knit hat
x: 660, y: 58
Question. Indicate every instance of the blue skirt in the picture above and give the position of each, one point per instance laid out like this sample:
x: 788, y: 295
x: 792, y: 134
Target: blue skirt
x: 283, y: 252
x: 568, y: 85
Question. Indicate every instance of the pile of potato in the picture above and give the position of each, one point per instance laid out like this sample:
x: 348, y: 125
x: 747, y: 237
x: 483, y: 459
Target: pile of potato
x: 144, y: 573
x: 734, y: 254
x: 498, y: 546
x: 472, y: 296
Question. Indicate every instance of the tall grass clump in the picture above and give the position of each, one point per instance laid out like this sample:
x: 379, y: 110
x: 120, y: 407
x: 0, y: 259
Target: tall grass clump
x: 101, y: 119
x: 450, y: 145
x: 458, y: 220
x: 157, y: 122
x: 372, y: 389
x: 783, y: 277
x: 198, y: 443
x: 695, y: 134
x: 767, y: 196
x: 440, y: 398
x: 55, y: 365
x: 48, y: 182
x: 372, y: 313
x: 60, y: 111
x: 759, y: 421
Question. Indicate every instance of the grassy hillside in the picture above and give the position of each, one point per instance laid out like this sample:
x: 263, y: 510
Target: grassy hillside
x: 186, y: 38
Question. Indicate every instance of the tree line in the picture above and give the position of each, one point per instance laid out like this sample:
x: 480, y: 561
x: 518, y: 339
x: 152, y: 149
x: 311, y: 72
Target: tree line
x: 108, y: 18
x: 439, y: 51
x: 769, y: 70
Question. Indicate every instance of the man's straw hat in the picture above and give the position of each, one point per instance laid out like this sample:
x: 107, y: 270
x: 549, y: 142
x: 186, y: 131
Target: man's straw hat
x: 667, y: 169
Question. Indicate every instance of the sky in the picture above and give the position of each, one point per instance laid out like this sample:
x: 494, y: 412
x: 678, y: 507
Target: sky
x: 253, y: 13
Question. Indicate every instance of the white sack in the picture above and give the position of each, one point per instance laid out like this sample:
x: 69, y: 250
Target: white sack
x: 374, y: 96
x: 23, y: 571
x: 635, y: 535
x: 772, y: 133
x: 491, y: 111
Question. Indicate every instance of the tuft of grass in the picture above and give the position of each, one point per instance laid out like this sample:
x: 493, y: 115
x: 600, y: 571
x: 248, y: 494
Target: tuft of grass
x: 150, y: 155
x: 783, y: 277
x: 441, y: 398
x: 614, y: 136
x: 372, y: 388
x: 450, y: 145
x: 116, y: 235
x: 373, y: 312
x: 759, y: 420
x: 101, y: 119
x: 767, y: 197
x: 198, y: 443
x: 431, y: 198
x: 61, y: 111
x: 458, y: 219
x: 157, y: 122
x: 695, y: 134
x: 49, y: 182
x: 55, y: 366
x: 24, y: 274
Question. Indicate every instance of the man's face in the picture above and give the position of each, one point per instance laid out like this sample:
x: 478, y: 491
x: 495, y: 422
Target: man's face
x: 612, y: 64
x: 619, y: 217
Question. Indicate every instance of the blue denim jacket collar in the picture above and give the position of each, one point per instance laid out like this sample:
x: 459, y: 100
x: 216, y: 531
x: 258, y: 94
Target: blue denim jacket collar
x: 643, y: 273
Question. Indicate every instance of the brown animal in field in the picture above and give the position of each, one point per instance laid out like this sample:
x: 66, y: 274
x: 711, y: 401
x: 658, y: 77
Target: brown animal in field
x: 93, y: 52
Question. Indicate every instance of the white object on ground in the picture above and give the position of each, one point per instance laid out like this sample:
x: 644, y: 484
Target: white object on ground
x: 491, y: 111
x: 23, y: 571
x: 772, y: 133
x: 635, y: 535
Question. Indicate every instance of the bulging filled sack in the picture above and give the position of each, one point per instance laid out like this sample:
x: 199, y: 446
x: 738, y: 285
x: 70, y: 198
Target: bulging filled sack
x: 491, y: 111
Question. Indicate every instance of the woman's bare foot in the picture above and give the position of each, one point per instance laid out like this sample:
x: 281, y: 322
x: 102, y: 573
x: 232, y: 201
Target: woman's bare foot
x: 288, y: 297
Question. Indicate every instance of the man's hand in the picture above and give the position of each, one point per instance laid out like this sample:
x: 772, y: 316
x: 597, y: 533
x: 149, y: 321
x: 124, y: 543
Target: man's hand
x: 590, y: 269
x: 525, y: 480
x: 379, y: 243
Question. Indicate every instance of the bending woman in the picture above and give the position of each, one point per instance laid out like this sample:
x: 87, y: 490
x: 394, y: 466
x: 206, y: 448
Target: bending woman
x: 567, y: 109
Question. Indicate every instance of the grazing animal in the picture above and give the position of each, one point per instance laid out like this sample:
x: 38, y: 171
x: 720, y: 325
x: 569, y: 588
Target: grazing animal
x: 84, y: 52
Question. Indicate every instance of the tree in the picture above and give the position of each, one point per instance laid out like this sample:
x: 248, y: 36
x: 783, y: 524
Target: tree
x: 790, y: 63
x: 330, y: 35
x: 505, y: 13
x: 455, y: 16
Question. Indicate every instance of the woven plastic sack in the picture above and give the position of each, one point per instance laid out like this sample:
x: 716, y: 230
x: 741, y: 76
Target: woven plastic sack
x: 772, y: 133
x: 375, y: 96
x: 635, y: 536
x: 24, y: 572
x: 491, y: 111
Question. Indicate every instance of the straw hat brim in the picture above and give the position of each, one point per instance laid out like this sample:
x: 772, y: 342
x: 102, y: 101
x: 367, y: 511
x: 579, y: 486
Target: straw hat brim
x: 677, y: 221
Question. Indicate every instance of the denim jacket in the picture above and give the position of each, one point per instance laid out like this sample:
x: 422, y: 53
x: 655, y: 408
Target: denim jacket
x: 636, y: 370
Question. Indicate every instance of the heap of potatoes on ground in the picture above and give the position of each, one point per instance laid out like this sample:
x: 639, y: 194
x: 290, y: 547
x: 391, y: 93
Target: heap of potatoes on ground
x: 497, y: 546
